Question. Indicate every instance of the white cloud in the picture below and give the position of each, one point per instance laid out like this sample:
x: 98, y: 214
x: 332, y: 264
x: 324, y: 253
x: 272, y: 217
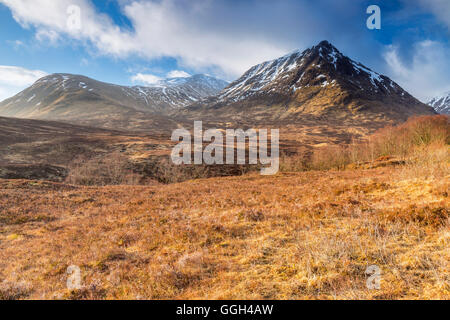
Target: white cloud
x: 48, y: 35
x: 184, y: 32
x: 15, y: 79
x: 52, y: 19
x: 178, y: 74
x: 178, y: 29
x: 440, y: 8
x: 7, y: 92
x: 147, y: 79
x: 425, y: 76
x: 18, y: 76
x: 224, y: 38
x: 151, y: 79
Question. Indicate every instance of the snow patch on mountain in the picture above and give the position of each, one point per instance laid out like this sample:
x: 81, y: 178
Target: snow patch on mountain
x: 441, y: 103
x: 321, y: 66
x: 172, y: 93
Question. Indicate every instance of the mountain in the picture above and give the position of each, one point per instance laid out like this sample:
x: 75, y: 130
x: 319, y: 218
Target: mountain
x: 319, y: 81
x: 179, y: 92
x: 76, y: 98
x: 441, y: 104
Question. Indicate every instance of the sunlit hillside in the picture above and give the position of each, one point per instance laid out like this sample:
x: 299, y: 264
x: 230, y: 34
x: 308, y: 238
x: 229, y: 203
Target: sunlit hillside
x: 306, y: 234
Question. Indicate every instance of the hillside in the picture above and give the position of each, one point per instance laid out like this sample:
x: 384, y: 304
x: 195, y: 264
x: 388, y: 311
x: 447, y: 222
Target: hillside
x: 78, y: 99
x: 291, y: 236
x: 294, y: 235
x: 319, y: 82
x: 38, y: 149
x: 54, y: 151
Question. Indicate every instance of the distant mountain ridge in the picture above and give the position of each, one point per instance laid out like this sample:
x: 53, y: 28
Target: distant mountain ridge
x: 318, y: 81
x: 441, y: 103
x: 76, y: 98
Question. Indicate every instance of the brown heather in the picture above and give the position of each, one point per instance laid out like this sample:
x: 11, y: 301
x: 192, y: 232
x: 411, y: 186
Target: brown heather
x: 295, y: 235
x: 420, y: 141
x: 113, y: 169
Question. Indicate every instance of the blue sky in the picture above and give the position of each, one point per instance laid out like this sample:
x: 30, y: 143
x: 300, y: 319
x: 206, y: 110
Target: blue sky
x: 139, y: 41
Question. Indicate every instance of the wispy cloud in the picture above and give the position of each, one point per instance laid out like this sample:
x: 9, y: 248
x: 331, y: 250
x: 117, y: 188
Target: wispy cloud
x: 51, y: 21
x: 221, y: 37
x: 151, y: 79
x: 148, y: 79
x: 440, y: 8
x: 178, y: 74
x: 14, y: 79
x: 426, y: 75
x: 178, y: 29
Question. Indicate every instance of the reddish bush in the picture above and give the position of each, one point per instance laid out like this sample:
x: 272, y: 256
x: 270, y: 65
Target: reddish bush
x: 418, y: 136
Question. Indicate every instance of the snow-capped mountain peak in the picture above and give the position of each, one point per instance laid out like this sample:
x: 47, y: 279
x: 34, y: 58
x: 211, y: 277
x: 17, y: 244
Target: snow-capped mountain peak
x: 320, y: 66
x: 317, y: 81
x: 441, y: 103
x: 178, y: 92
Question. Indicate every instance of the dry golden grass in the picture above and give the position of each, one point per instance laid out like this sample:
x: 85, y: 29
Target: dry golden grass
x: 304, y: 235
x: 413, y: 142
x: 307, y: 235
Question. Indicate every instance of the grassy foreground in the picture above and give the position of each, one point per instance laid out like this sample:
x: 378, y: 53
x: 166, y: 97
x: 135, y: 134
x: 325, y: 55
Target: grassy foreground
x: 292, y: 236
x: 297, y: 235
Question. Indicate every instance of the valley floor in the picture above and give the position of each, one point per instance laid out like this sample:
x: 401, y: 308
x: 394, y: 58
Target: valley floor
x: 305, y: 235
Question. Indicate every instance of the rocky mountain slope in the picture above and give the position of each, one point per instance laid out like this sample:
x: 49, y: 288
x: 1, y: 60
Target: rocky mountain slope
x: 319, y: 81
x: 441, y: 104
x: 318, y: 84
x: 77, y: 98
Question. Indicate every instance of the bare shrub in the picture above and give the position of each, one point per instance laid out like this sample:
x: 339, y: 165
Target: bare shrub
x: 10, y: 290
x: 429, y: 130
x: 402, y: 140
x: 421, y: 142
x: 428, y: 161
x: 95, y: 291
x: 112, y: 169
x: 294, y: 162
x: 435, y: 215
x: 330, y: 157
x: 165, y: 171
